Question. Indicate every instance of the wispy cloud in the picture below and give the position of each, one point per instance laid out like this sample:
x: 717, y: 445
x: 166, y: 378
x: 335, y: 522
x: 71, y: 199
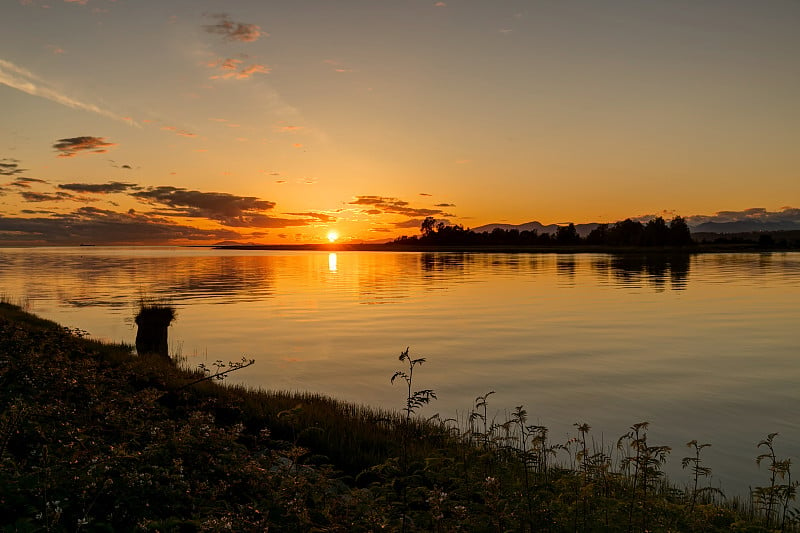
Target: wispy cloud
x: 25, y: 183
x: 46, y: 197
x: 10, y: 167
x: 384, y: 204
x: 23, y: 80
x: 337, y: 66
x: 100, y: 188
x: 290, y: 129
x: 72, y: 146
x: 234, y: 31
x: 232, y: 68
x: 182, y: 133
x: 322, y: 217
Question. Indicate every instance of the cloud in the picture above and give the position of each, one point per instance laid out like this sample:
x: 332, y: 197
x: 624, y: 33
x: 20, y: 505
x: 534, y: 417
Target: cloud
x: 182, y: 133
x: 394, y: 206
x: 45, y: 197
x: 445, y: 205
x: 265, y: 221
x: 439, y: 4
x: 72, y: 146
x: 410, y: 223
x: 25, y: 183
x: 23, y: 80
x: 337, y: 66
x: 252, y: 69
x: 216, y: 205
x: 425, y: 194
x: 98, y: 226
x: 233, y: 69
x: 753, y: 214
x: 10, y: 167
x: 227, y: 209
x: 322, y: 217
x: 100, y: 188
x: 234, y: 31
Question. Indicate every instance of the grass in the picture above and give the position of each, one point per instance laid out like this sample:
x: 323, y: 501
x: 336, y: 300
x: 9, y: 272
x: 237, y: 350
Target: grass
x: 95, y: 438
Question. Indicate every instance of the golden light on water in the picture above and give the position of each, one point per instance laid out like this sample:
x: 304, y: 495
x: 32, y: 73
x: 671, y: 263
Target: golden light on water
x: 333, y: 235
x: 332, y: 263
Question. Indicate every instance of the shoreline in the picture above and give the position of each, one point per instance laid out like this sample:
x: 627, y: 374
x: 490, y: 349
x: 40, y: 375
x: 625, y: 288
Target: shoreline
x: 190, y: 443
x: 566, y: 249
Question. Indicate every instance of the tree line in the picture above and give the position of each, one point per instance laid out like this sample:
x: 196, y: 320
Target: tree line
x: 656, y: 232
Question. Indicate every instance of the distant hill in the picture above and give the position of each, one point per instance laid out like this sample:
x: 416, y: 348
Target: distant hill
x: 583, y: 229
x: 235, y: 243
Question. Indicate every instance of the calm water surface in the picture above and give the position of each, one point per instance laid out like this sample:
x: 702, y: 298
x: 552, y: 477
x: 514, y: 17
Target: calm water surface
x: 704, y: 347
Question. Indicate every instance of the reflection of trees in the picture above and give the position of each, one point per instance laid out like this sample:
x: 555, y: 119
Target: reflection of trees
x: 117, y: 279
x: 113, y: 281
x: 565, y: 266
x: 443, y: 262
x: 638, y: 270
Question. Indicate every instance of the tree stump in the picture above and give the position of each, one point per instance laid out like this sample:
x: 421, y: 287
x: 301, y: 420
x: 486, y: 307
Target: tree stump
x: 152, y: 323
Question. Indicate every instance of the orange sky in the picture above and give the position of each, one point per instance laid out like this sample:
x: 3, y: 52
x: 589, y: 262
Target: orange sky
x: 173, y: 122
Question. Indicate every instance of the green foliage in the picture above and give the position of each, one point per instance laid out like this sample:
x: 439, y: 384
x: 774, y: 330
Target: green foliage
x: 95, y: 438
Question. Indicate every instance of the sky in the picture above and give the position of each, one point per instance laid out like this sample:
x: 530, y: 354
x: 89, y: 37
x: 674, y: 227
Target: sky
x: 205, y: 121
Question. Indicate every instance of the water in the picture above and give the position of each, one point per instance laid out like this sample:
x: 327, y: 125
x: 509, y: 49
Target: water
x: 703, y: 348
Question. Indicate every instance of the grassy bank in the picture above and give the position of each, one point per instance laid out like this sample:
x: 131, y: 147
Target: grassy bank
x: 93, y: 437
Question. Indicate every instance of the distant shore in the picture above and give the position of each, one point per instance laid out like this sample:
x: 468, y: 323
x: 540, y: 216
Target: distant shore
x: 535, y: 249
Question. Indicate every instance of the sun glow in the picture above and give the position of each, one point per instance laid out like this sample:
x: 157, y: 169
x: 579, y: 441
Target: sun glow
x: 333, y: 236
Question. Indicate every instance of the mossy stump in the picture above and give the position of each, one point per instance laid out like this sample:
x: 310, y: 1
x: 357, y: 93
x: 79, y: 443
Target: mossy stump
x: 151, y: 334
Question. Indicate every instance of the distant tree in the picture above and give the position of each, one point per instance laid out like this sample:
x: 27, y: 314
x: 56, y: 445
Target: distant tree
x: 765, y: 240
x: 427, y: 227
x: 679, y: 233
x: 599, y: 235
x: 567, y: 234
x: 656, y: 233
x: 626, y: 233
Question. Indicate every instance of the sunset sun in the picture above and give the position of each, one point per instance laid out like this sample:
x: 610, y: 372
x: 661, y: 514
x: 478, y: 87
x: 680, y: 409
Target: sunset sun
x: 333, y: 236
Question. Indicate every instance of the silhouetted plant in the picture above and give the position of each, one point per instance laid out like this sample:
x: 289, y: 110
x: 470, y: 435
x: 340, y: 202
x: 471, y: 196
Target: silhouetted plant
x: 480, y: 413
x: 698, y: 470
x: 776, y: 496
x: 414, y: 399
x: 646, y: 462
